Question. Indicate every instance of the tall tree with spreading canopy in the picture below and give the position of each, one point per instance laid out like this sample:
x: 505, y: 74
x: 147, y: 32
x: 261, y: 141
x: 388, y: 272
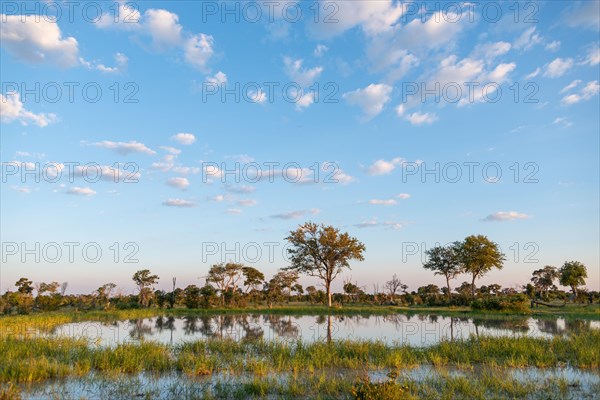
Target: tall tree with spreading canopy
x: 322, y: 251
x: 573, y: 274
x: 478, y: 255
x: 145, y: 282
x: 225, y: 277
x: 444, y: 261
x: 543, y: 279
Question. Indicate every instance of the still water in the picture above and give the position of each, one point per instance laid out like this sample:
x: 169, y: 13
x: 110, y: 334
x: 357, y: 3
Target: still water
x: 413, y: 330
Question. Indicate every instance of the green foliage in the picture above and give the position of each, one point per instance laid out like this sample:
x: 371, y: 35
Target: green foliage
x: 322, y: 251
x: 364, y: 389
x: 573, y: 274
x: 515, y: 303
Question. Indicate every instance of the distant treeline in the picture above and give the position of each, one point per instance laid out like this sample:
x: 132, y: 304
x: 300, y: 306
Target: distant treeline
x: 323, y: 252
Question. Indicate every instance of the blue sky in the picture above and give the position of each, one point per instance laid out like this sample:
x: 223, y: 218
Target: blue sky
x: 377, y: 94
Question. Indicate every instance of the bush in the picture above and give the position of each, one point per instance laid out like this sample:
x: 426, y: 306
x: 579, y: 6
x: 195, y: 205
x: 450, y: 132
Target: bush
x: 518, y: 302
x: 364, y: 389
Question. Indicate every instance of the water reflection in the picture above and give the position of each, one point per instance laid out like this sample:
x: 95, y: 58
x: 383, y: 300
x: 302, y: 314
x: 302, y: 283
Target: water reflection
x: 414, y: 330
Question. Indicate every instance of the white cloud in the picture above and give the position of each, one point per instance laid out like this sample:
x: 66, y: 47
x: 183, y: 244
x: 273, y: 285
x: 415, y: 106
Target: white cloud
x: 592, y: 57
x: 123, y: 148
x: 12, y: 109
x: 558, y: 67
x: 233, y: 211
x: 563, y: 122
x: 184, y: 138
x: 295, y: 214
x: 373, y: 223
x: 302, y: 76
x: 528, y: 39
x: 179, y: 183
x: 198, y: 50
x: 553, y: 46
x: 178, y: 203
x: 220, y: 78
x: 37, y: 40
x: 83, y: 191
x: 371, y: 99
x: 186, y: 170
x: 121, y: 62
x: 320, y: 50
x: 534, y: 73
x: 491, y: 50
x: 372, y: 16
x: 590, y: 90
x: 256, y: 96
x: 506, y: 216
x: 247, y: 202
x: 171, y: 150
x: 417, y: 118
x: 386, y: 202
x: 383, y: 167
x: 305, y: 100
x: 583, y: 14
x: 403, y: 196
x: 219, y: 198
x: 165, y: 32
x: 570, y: 86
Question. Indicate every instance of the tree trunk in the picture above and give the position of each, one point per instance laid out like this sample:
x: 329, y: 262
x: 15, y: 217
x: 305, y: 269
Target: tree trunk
x: 328, y: 287
x: 448, y: 286
x: 473, y: 286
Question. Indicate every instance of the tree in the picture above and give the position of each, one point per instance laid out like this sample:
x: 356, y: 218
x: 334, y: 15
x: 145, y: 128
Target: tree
x: 145, y: 282
x: 543, y: 279
x: 285, y: 280
x: 393, y: 285
x: 24, y: 286
x: 104, y: 293
x: 573, y: 274
x: 444, y: 261
x: 191, y: 296
x: 253, y: 278
x: 225, y: 277
x: 322, y: 251
x: 478, y: 255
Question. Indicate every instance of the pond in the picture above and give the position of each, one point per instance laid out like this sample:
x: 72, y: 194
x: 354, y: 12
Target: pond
x: 559, y: 383
x: 413, y: 330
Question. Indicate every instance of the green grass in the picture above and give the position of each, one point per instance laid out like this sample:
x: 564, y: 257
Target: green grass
x: 37, y: 359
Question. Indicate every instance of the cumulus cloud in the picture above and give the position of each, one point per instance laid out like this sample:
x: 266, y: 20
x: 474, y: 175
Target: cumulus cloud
x: 82, y: 191
x: 403, y: 196
x: 220, y: 78
x: 12, y: 109
x: 37, y: 40
x: 591, y: 89
x: 165, y: 32
x: 383, y: 167
x: 418, y: 118
x: 295, y: 214
x: 178, y: 183
x: 320, y: 50
x: 592, y: 57
x: 178, y: 203
x: 370, y: 99
x: 124, y: 148
x: 506, y: 216
x: 302, y: 76
x: 184, y: 138
x: 558, y: 67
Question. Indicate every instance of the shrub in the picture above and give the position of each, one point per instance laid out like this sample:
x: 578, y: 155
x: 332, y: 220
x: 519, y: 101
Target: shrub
x: 518, y: 302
